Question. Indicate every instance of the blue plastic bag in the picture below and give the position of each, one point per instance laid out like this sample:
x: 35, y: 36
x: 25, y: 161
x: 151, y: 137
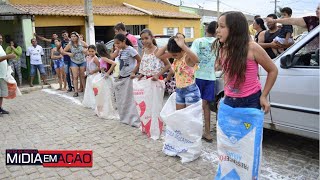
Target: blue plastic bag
x: 239, y: 142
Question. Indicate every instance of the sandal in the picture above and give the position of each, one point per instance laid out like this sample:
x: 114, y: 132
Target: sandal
x: 75, y: 94
x: 70, y: 89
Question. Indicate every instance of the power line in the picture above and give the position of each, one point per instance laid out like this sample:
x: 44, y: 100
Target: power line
x: 237, y: 8
x: 291, y: 2
x: 295, y: 1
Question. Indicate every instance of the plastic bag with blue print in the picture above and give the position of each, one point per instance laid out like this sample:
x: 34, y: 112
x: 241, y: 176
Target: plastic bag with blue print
x: 183, y: 130
x: 239, y: 142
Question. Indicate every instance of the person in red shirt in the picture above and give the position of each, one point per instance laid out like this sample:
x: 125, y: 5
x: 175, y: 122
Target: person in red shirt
x: 120, y: 28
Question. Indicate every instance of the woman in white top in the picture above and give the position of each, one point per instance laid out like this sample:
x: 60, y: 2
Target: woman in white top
x: 151, y: 66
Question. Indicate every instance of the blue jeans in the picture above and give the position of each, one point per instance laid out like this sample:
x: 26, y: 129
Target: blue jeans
x: 58, y: 63
x: 72, y: 64
x: 252, y: 101
x: 34, y: 68
x: 188, y: 95
x: 67, y: 70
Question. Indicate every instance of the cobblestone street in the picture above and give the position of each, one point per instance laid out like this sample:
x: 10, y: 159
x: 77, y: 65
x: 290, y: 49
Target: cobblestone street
x: 52, y: 120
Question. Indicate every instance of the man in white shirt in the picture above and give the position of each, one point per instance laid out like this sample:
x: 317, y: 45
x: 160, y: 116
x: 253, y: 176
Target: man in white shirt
x: 3, y: 74
x: 36, y: 52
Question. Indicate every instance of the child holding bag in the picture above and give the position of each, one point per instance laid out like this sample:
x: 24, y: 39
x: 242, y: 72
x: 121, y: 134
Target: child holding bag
x: 184, y: 67
x: 93, y: 67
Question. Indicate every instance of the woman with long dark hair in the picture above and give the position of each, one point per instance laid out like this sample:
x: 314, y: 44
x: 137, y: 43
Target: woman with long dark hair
x: 129, y: 66
x: 240, y: 117
x: 258, y: 25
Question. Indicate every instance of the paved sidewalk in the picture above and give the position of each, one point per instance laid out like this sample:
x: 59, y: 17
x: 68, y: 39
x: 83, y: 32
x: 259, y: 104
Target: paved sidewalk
x: 46, y: 120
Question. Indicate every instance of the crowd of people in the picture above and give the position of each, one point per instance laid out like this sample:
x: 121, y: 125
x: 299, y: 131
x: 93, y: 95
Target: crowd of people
x: 227, y: 47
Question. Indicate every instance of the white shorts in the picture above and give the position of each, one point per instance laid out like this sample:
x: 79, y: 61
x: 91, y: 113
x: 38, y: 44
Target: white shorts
x: 282, y: 40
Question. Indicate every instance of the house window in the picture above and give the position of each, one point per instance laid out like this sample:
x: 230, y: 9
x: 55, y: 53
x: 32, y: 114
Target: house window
x: 171, y: 31
x: 188, y: 32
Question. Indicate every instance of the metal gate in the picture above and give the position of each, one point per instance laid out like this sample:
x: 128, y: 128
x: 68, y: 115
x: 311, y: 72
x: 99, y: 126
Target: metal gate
x: 46, y: 60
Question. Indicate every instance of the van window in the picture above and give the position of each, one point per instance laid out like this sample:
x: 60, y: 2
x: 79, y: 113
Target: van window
x: 308, y: 55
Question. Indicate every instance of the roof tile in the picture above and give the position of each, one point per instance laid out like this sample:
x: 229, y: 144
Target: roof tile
x: 115, y: 10
x: 171, y: 14
x: 7, y: 9
x: 78, y: 10
x: 63, y: 10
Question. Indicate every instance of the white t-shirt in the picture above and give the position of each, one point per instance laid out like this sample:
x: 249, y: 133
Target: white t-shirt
x: 35, y: 54
x: 3, y: 64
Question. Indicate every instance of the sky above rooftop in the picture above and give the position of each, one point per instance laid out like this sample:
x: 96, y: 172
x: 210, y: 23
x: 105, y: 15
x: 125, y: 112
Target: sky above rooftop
x: 253, y: 7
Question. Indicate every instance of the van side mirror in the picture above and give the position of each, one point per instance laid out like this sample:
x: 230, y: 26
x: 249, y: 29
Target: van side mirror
x: 286, y: 62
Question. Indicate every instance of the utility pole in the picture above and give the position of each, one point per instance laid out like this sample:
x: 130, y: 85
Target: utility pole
x: 90, y: 35
x: 275, y: 5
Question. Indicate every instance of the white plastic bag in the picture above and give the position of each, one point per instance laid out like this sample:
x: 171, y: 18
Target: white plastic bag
x: 125, y: 102
x: 148, y: 96
x: 9, y: 78
x: 88, y: 97
x: 13, y: 90
x: 239, y: 142
x: 104, y: 96
x: 183, y: 130
x: 116, y: 71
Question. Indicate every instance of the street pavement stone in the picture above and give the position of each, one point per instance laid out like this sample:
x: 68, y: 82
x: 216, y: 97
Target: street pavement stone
x: 53, y: 119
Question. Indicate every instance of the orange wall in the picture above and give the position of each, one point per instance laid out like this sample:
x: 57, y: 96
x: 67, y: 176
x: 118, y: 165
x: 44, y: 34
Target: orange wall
x: 157, y: 25
x: 49, y: 21
x: 112, y: 20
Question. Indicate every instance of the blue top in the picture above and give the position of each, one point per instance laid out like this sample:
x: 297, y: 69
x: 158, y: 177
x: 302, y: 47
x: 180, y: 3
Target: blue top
x: 64, y: 43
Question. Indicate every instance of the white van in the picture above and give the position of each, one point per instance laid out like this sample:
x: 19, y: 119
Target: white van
x: 294, y: 97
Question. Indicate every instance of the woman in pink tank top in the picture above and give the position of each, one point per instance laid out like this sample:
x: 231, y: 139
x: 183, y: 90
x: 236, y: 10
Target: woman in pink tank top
x: 240, y: 124
x: 239, y: 57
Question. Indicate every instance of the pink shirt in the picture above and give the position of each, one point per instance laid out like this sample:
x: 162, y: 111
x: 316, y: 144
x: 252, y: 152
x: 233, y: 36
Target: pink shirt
x: 104, y: 64
x: 250, y: 86
x: 133, y: 40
